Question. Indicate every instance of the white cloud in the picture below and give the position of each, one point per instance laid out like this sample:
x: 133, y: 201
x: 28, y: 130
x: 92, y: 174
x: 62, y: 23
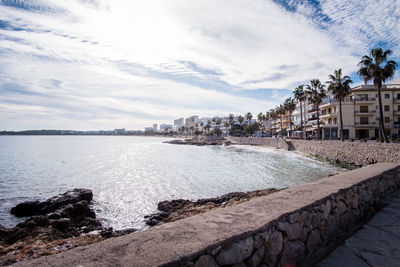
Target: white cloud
x: 120, y: 61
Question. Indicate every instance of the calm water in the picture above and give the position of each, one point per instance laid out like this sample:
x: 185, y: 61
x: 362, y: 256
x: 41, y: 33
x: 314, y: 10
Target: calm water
x: 130, y: 175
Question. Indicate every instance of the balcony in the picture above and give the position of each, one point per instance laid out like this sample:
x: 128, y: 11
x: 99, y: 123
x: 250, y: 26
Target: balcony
x: 396, y: 124
x: 365, y: 113
x: 397, y: 112
x: 328, y: 115
x: 396, y: 101
x: 365, y: 100
x: 368, y: 124
x: 328, y: 102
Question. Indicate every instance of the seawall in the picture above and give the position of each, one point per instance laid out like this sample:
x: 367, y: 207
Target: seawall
x: 355, y: 153
x: 296, y: 225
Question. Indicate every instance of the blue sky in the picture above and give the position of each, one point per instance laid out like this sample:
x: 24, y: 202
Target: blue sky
x: 97, y: 64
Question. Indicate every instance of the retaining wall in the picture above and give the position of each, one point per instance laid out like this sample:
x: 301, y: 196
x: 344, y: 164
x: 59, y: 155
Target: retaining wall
x: 297, y: 225
x: 356, y: 153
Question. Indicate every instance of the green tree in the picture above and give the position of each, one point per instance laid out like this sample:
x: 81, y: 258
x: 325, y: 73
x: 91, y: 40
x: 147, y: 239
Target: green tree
x: 217, y: 131
x: 249, y: 116
x: 226, y: 124
x: 340, y: 88
x: 378, y: 68
x: 301, y: 97
x: 316, y: 92
x: 290, y: 106
x: 231, y: 119
x: 240, y: 119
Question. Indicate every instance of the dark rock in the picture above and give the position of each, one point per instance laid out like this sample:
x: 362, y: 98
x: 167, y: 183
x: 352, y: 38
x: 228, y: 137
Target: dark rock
x: 62, y: 224
x: 172, y: 210
x: 31, y: 208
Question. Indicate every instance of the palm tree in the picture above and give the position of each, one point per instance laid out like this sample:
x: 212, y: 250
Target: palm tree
x: 290, y: 107
x: 260, y: 118
x: 340, y: 88
x: 363, y: 73
x: 240, y: 119
x: 316, y: 92
x: 378, y: 68
x: 301, y: 97
x: 226, y: 124
x: 280, y: 112
x: 272, y: 116
x: 249, y: 116
x: 231, y: 118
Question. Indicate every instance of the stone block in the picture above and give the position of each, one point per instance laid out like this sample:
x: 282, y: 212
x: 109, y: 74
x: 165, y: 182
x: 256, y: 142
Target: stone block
x: 293, y: 252
x: 273, y: 247
x: 256, y: 258
x: 314, y: 239
x: 292, y: 230
x: 206, y: 261
x: 236, y: 253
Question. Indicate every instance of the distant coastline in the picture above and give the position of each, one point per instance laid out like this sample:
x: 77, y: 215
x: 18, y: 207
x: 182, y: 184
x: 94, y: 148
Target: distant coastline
x: 119, y: 132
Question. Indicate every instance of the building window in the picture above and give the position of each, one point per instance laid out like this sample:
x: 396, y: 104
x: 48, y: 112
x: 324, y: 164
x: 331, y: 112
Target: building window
x: 398, y: 96
x: 398, y: 108
x: 387, y: 108
x: 363, y: 109
x: 387, y: 96
x: 387, y: 119
x: 363, y: 120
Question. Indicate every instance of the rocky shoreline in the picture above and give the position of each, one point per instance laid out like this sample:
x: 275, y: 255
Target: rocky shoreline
x: 201, y: 141
x: 177, y: 209
x: 67, y: 221
x: 55, y: 225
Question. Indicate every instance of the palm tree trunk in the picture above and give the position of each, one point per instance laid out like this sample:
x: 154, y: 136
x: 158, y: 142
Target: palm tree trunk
x: 290, y: 125
x: 341, y: 120
x: 318, y: 132
x: 301, y: 116
x: 381, y: 121
x: 305, y: 130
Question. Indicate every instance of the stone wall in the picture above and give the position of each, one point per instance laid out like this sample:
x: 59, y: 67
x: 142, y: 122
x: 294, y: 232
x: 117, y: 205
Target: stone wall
x: 298, y: 225
x: 355, y: 153
x: 259, y: 141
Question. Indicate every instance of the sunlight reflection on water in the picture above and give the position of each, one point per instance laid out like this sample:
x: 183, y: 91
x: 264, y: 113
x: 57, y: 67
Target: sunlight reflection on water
x: 130, y: 175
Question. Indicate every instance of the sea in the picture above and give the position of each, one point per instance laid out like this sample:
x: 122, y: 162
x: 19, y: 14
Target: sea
x: 129, y: 175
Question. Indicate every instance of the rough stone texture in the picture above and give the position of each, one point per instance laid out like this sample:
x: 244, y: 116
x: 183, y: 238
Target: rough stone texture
x: 227, y: 234
x: 236, y: 253
x: 206, y: 261
x: 273, y: 247
x: 355, y: 153
x: 256, y: 258
x: 292, y: 230
x: 293, y: 253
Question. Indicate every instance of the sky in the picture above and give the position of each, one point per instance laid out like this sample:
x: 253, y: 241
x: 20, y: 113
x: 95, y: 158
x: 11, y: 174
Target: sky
x: 105, y: 64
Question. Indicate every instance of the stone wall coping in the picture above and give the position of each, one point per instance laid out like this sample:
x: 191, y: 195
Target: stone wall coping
x: 170, y: 243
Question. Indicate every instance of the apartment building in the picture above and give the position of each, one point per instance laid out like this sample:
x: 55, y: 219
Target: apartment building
x: 361, y: 113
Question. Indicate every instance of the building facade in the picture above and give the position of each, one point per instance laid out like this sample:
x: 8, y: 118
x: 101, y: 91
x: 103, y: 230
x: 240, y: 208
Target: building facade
x: 361, y: 113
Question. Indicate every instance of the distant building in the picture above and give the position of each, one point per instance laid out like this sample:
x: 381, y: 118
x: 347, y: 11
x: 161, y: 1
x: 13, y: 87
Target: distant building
x: 165, y: 127
x: 191, y: 121
x: 149, y: 129
x: 178, y: 123
x: 119, y: 131
x: 155, y: 127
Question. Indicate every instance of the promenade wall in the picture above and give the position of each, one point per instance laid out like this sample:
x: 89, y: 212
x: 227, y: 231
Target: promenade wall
x: 355, y: 153
x: 296, y: 225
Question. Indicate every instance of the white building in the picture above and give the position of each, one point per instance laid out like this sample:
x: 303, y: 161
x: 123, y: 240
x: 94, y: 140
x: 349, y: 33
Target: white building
x: 191, y: 121
x: 155, y: 127
x: 165, y: 127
